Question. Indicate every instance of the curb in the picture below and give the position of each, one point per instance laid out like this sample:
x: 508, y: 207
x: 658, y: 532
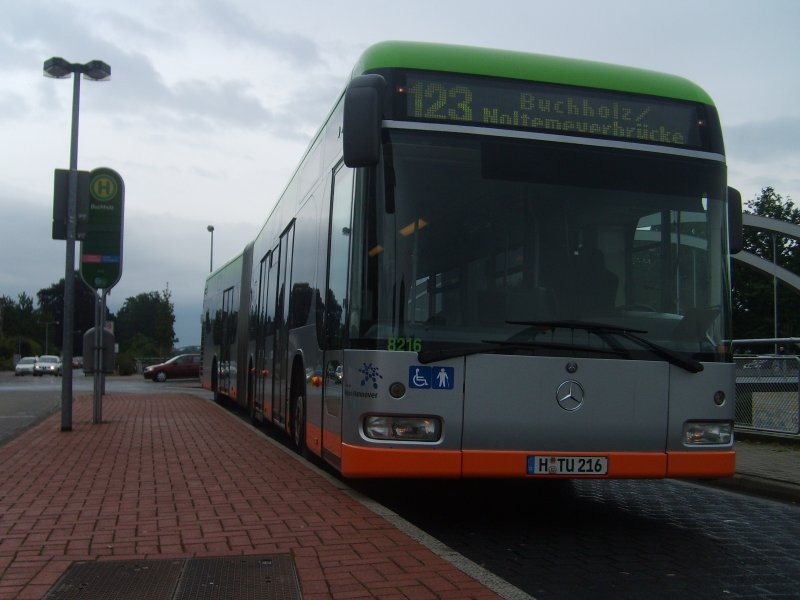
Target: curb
x: 760, y: 487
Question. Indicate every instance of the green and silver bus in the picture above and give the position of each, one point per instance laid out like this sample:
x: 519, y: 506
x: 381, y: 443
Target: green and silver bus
x: 493, y: 264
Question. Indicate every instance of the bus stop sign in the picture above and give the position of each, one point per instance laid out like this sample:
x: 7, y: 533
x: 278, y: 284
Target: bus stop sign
x: 101, y: 249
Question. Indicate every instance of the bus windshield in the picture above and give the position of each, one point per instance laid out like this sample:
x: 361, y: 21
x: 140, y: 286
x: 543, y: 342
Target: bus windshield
x: 463, y: 239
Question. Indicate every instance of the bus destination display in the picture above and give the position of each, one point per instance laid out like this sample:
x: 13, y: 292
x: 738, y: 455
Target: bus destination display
x: 552, y: 109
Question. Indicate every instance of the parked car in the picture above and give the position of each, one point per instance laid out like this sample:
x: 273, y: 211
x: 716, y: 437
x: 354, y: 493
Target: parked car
x: 47, y: 365
x: 25, y: 366
x: 183, y: 366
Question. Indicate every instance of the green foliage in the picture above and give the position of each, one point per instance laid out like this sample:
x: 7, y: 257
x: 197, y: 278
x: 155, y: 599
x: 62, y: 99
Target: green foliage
x: 22, y: 329
x: 22, y: 345
x: 140, y: 345
x: 145, y: 324
x: 126, y: 364
x: 18, y: 317
x: 753, y: 292
x: 165, y: 324
x: 772, y: 205
x: 51, y: 306
x: 144, y: 327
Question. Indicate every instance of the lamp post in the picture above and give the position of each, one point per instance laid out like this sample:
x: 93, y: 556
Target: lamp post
x: 47, y: 336
x: 210, y: 229
x: 95, y: 70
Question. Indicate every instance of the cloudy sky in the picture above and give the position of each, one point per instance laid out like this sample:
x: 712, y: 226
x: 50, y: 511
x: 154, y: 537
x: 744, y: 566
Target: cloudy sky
x: 211, y: 104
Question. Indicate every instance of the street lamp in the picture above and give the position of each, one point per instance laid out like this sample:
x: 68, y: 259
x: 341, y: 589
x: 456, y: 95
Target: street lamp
x: 47, y: 335
x: 95, y: 70
x: 210, y: 229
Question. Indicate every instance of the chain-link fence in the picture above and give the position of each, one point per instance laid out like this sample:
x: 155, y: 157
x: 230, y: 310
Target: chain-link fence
x: 768, y: 392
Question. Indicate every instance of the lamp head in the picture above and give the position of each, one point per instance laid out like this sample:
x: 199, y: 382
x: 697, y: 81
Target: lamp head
x: 96, y: 70
x: 58, y: 68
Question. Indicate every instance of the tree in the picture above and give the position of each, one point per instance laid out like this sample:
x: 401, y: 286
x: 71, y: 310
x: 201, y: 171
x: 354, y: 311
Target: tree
x: 165, y: 323
x: 51, y: 306
x: 752, y: 289
x: 145, y: 325
x: 19, y: 329
x: 19, y: 317
x: 146, y: 321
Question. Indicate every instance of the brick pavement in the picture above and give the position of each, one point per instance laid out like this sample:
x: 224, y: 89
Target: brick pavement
x: 769, y: 458
x: 176, y: 476
x: 766, y: 466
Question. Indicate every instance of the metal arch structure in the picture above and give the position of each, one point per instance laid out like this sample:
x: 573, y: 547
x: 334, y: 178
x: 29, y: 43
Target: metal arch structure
x: 783, y: 227
x: 773, y: 225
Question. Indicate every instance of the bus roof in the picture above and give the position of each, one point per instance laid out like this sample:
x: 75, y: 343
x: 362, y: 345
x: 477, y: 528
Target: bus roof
x: 531, y: 67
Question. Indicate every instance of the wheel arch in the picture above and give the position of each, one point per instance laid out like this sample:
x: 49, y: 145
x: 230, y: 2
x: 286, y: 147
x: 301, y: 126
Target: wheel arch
x: 251, y: 386
x: 214, y: 374
x: 297, y: 384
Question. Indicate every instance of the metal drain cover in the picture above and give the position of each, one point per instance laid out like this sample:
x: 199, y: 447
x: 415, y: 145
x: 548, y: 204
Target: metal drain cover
x: 119, y: 580
x: 271, y: 577
x: 241, y: 577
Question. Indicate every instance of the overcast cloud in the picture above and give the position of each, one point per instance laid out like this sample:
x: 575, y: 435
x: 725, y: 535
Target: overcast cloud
x: 212, y: 103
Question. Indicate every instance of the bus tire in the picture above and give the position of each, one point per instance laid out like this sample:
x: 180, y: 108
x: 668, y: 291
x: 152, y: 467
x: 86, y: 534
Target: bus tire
x: 251, y: 386
x: 299, y: 425
x: 215, y: 382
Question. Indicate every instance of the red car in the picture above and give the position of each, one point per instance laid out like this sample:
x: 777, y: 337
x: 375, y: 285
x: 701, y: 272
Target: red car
x: 183, y: 366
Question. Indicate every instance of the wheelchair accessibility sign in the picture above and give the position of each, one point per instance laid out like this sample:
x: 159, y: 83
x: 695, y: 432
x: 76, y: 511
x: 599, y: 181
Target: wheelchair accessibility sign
x: 421, y: 377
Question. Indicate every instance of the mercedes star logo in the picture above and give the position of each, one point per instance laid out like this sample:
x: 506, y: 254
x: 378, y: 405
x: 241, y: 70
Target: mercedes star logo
x: 570, y: 395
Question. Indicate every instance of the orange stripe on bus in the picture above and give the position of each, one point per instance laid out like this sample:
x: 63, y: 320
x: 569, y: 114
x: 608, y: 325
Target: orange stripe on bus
x: 498, y: 463
x: 402, y: 462
x: 332, y: 443
x: 358, y: 461
x: 701, y: 464
x: 314, y: 438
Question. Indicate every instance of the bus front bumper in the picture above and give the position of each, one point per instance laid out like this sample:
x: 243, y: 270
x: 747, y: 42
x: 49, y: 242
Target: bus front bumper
x: 358, y: 461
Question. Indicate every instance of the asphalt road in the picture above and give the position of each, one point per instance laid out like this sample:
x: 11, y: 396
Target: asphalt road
x: 26, y: 400
x: 605, y: 539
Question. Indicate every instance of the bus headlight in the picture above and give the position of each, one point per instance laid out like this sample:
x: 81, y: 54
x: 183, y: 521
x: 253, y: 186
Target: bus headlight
x: 703, y: 434
x: 405, y: 428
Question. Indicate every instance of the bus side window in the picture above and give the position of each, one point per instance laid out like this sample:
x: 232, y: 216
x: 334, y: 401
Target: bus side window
x: 336, y: 290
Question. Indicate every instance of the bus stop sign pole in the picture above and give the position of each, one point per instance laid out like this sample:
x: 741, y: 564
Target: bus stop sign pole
x: 101, y: 261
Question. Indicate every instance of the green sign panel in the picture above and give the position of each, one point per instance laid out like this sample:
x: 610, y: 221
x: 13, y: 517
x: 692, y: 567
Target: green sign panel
x: 101, y: 249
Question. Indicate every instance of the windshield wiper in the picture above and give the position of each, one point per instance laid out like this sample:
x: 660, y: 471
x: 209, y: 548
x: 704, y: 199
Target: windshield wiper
x: 670, y: 356
x: 488, y: 346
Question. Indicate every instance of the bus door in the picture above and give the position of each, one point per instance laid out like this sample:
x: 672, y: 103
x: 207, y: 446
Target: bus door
x: 227, y: 339
x: 264, y: 332
x: 281, y: 365
x: 336, y: 314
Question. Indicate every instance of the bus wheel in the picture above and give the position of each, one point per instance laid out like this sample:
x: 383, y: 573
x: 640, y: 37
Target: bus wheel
x: 299, y: 425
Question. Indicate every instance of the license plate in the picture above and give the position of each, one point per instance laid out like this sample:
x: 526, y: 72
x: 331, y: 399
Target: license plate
x: 568, y: 465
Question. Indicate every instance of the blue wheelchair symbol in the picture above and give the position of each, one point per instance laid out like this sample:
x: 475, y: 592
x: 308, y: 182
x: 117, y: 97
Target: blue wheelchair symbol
x: 419, y: 377
x: 437, y: 378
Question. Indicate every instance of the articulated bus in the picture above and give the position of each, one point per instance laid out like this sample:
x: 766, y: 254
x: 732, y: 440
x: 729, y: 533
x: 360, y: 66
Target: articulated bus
x: 492, y: 264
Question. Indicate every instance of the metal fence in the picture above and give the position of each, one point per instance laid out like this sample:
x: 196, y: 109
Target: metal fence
x: 767, y: 389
